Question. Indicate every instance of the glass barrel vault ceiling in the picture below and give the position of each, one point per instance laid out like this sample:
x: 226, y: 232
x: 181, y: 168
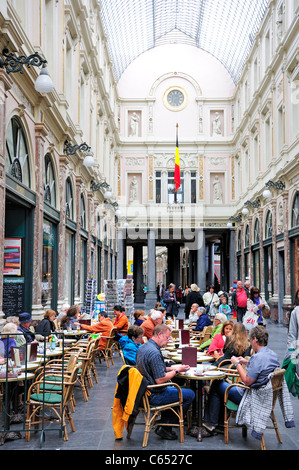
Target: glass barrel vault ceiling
x: 224, y: 28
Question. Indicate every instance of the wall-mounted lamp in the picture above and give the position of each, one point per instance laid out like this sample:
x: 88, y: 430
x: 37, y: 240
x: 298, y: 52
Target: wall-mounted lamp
x: 117, y: 210
x: 14, y: 64
x: 70, y: 149
x: 237, y: 219
x: 279, y: 185
x: 256, y: 204
x: 97, y: 186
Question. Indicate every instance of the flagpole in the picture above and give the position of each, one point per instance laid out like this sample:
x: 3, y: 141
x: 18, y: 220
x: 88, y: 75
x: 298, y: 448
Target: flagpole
x: 177, y: 130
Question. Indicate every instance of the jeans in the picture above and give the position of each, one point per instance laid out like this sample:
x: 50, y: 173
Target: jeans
x: 240, y: 313
x: 170, y: 395
x: 215, y: 407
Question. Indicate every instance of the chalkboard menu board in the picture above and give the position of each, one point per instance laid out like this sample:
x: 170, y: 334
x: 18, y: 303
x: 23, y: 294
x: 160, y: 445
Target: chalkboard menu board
x: 13, y: 295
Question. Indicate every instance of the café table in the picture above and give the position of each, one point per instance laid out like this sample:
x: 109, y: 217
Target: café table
x: 199, y: 380
x: 200, y: 358
x: 11, y: 381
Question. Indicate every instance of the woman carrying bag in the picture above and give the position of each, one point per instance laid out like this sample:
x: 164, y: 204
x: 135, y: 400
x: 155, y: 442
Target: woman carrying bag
x: 258, y: 305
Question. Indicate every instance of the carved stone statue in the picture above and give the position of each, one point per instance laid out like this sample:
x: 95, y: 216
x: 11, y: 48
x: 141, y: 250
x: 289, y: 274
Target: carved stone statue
x: 217, y: 191
x: 217, y: 125
x: 134, y: 125
x: 133, y: 190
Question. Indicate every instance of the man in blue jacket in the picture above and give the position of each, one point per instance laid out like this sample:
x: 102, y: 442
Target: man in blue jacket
x: 203, y: 319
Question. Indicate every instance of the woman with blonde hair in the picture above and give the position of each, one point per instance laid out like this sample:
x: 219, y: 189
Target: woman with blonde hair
x: 9, y: 340
x: 236, y: 344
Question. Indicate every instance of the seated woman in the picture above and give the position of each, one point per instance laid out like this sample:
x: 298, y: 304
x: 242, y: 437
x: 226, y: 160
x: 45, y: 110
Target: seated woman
x: 203, y: 319
x: 218, y: 342
x: 71, y: 320
x: 46, y: 326
x: 139, y: 316
x: 130, y: 343
x: 121, y: 321
x: 236, y: 344
x: 9, y: 340
x: 258, y: 368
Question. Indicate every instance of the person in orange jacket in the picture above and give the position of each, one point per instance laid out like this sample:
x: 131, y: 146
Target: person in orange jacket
x: 103, y: 326
x: 121, y: 321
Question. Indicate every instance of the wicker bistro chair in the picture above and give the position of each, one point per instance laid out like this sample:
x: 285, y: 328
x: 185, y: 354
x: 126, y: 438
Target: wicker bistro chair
x: 150, y: 414
x: 39, y: 399
x: 85, y: 355
x: 107, y: 352
x: 54, y: 370
x: 92, y: 371
x: 230, y: 408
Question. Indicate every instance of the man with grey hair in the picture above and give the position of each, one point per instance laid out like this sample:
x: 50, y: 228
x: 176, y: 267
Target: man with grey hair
x: 151, y: 364
x: 203, y: 319
x: 156, y: 318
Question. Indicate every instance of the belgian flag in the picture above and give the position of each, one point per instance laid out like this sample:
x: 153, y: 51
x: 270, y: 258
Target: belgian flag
x: 177, y: 169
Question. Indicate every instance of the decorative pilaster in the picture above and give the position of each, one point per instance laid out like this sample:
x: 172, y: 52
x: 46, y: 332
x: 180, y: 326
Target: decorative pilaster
x: 5, y: 85
x: 40, y: 135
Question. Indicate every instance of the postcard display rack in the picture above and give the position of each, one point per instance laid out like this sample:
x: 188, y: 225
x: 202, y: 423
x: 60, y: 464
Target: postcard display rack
x: 90, y: 296
x: 119, y: 292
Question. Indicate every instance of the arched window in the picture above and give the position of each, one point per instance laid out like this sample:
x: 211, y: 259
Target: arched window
x: 69, y: 201
x: 268, y: 225
x: 17, y: 158
x: 83, y: 213
x: 239, y: 241
x: 295, y: 211
x: 50, y: 184
x: 256, y: 231
x: 246, y: 240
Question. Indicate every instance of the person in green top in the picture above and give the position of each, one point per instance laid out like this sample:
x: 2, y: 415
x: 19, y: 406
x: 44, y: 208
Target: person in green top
x: 219, y: 319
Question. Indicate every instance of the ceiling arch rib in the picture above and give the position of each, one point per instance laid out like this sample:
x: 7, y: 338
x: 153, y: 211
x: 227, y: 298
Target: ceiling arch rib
x: 224, y: 28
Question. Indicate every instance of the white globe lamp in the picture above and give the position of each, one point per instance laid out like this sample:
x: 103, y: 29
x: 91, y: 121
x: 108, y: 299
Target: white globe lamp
x: 88, y: 160
x: 43, y: 82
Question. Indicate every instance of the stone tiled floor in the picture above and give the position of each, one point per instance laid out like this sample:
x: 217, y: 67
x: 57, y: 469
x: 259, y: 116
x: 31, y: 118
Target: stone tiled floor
x: 93, y: 422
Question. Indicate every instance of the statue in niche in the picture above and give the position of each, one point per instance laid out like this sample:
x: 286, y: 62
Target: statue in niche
x: 217, y: 191
x: 134, y: 125
x: 134, y: 190
x: 217, y: 125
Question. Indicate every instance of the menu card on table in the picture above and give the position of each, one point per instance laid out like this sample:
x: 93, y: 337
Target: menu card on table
x: 189, y: 356
x: 185, y: 336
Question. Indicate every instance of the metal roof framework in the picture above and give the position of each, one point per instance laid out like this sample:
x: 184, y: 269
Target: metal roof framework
x: 224, y: 28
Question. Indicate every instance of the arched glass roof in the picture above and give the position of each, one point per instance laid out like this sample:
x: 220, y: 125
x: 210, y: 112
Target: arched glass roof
x: 224, y: 28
